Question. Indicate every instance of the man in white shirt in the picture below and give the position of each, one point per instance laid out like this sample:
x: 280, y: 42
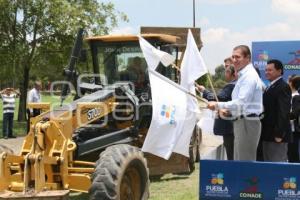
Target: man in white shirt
x: 34, y: 96
x: 246, y: 105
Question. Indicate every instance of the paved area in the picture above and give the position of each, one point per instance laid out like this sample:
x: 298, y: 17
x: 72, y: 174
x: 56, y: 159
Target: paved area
x: 212, y: 147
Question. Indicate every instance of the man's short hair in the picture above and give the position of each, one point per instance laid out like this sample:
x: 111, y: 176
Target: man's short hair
x: 277, y: 64
x: 245, y: 50
x: 37, y: 84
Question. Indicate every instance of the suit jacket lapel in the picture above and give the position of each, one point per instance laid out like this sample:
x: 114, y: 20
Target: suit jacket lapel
x: 270, y: 88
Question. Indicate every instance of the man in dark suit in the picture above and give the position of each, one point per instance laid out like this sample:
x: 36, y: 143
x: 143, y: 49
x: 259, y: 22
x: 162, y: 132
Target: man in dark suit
x: 275, y: 124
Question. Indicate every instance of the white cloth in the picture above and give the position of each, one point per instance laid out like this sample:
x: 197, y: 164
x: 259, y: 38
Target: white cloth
x: 34, y: 96
x: 295, y: 93
x: 192, y: 67
x: 246, y: 95
x: 153, y: 56
x: 168, y: 111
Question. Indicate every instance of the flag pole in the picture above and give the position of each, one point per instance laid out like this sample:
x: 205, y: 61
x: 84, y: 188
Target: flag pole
x: 209, y: 80
x: 212, y: 86
x: 177, y: 86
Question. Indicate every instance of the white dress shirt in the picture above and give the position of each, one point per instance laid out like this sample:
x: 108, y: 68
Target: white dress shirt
x: 246, y: 95
x: 34, y: 96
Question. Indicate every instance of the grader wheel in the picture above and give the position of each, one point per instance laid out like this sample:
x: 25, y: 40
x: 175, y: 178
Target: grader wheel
x: 121, y: 174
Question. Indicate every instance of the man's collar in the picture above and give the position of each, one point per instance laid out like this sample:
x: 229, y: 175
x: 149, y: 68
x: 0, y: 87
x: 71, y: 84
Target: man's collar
x: 272, y: 82
x: 244, y: 69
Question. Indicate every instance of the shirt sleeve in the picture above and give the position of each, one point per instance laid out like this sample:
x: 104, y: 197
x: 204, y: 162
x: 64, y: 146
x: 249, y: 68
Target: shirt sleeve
x: 246, y: 90
x: 208, y: 95
x: 225, y: 93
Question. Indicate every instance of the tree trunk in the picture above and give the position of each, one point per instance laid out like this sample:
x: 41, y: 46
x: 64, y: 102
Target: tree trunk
x: 23, y: 90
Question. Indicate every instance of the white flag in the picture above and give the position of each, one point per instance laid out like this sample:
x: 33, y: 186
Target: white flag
x: 169, y: 109
x: 192, y: 67
x: 153, y: 56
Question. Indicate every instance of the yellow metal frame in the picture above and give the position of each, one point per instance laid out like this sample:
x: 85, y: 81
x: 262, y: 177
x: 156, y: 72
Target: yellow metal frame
x: 46, y: 159
x: 43, y: 106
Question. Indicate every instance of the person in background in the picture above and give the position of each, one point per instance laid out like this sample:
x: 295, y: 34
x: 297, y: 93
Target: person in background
x: 276, y: 128
x: 34, y: 96
x: 246, y: 105
x: 8, y: 96
x: 222, y: 125
x: 294, y: 147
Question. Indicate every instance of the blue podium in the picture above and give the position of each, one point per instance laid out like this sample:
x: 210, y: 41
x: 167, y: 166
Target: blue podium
x: 249, y: 180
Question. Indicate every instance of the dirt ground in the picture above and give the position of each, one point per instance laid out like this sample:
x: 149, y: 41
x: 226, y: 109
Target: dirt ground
x: 14, y: 144
x: 209, y: 143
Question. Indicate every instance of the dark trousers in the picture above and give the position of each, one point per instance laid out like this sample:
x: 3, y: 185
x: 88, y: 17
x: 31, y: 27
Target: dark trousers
x: 228, y: 141
x: 275, y: 152
x: 35, y: 113
x: 259, y: 153
x: 7, y: 126
x: 293, y: 148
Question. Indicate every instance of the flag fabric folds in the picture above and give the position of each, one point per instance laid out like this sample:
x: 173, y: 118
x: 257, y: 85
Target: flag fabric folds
x: 168, y: 115
x: 192, y: 67
x: 153, y: 56
x: 173, y: 112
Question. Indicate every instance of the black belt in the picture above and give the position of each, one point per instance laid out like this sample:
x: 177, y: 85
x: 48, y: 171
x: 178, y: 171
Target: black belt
x: 252, y: 115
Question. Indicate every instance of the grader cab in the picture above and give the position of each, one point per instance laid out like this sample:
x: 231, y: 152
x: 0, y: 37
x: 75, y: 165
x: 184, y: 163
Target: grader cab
x: 93, y: 144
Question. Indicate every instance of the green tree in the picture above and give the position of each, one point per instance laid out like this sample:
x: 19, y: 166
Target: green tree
x: 219, y: 73
x: 30, y: 29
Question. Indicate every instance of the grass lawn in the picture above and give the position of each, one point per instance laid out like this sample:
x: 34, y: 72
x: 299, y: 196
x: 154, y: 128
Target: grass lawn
x: 176, y: 187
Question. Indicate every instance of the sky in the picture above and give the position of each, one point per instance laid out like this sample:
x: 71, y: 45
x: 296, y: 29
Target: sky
x: 224, y: 23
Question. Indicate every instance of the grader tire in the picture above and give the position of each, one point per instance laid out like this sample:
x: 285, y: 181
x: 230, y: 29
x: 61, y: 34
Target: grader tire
x: 198, y: 133
x: 194, y: 151
x: 5, y: 149
x: 121, y: 174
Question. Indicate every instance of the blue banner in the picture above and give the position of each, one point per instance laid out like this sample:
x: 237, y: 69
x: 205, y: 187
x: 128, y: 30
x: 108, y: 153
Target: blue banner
x: 249, y: 180
x: 288, y: 52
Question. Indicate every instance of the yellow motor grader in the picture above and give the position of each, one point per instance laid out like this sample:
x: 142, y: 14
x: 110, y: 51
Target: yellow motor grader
x: 92, y: 145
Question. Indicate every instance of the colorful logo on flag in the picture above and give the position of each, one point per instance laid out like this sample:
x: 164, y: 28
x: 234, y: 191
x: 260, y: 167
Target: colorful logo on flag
x: 168, y: 112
